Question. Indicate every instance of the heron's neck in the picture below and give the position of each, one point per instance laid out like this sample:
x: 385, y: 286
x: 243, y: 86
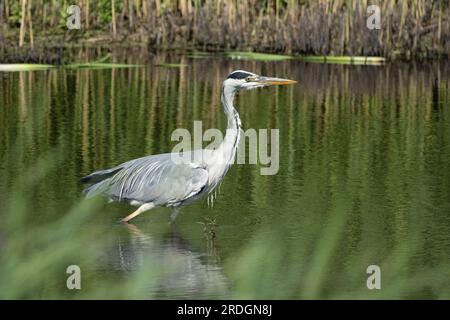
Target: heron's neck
x: 233, y: 134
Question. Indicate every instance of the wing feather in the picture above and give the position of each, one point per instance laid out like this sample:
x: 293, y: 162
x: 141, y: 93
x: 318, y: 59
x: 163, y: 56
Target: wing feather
x: 156, y: 179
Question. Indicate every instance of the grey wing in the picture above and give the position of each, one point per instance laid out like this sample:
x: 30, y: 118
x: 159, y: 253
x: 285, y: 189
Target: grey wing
x: 156, y: 179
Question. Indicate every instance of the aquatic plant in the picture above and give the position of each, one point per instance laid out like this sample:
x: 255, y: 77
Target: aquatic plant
x: 409, y: 29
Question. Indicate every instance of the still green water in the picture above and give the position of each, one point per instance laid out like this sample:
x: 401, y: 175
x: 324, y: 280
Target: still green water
x: 364, y: 179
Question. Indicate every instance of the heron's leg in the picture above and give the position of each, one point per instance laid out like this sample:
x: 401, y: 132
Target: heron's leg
x: 175, y: 212
x: 142, y: 208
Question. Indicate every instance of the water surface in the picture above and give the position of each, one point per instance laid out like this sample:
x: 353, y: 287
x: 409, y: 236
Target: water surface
x: 364, y: 176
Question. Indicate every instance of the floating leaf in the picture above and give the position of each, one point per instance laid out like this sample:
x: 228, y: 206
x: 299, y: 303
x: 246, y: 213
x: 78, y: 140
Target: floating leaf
x: 24, y: 67
x: 96, y: 65
x: 343, y: 60
x: 257, y: 56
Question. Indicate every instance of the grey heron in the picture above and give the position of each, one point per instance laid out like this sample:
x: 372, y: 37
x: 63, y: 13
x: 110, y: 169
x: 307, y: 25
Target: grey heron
x: 159, y: 180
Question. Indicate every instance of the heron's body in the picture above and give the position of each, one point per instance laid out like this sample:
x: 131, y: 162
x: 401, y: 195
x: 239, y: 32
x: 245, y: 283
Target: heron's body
x: 161, y: 180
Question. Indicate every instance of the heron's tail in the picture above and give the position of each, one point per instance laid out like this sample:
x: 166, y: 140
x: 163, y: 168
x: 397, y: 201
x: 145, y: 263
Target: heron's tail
x: 98, y: 188
x: 101, y: 175
x: 97, y: 181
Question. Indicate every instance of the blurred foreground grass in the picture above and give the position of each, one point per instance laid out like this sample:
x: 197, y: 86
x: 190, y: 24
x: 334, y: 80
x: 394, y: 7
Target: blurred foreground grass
x: 34, y: 258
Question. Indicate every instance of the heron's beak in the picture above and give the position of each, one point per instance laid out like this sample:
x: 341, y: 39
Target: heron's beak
x: 268, y: 81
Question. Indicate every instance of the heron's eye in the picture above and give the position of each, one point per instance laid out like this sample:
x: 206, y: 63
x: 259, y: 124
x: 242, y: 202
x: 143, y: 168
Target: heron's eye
x: 248, y: 79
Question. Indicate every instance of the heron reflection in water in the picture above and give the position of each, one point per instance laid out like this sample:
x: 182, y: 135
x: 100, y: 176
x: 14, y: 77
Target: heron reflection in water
x: 170, y: 265
x: 157, y: 180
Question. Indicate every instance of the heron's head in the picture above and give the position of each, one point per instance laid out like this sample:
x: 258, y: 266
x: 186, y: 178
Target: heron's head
x: 244, y: 80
